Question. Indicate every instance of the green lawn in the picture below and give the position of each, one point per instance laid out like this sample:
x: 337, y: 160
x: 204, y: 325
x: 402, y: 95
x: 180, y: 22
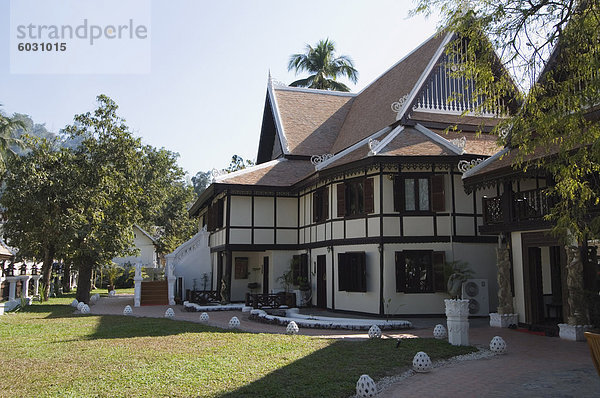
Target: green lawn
x: 48, y: 351
x: 104, y: 292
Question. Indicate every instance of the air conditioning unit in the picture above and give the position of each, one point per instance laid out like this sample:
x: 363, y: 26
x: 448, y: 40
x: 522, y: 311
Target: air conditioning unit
x: 476, y: 291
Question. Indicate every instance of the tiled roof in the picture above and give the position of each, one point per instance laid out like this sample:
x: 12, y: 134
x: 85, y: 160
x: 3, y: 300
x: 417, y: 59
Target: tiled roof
x: 482, y: 144
x: 311, y: 118
x: 371, y: 109
x: 411, y: 142
x: 279, y: 172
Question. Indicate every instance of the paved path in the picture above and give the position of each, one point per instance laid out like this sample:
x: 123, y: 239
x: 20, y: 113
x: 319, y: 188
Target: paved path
x: 535, y: 366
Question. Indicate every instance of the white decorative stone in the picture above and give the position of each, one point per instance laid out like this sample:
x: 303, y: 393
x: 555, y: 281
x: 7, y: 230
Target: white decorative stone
x: 374, y: 332
x: 503, y: 320
x: 127, y: 310
x: 292, y: 328
x: 498, y: 345
x: 439, y: 332
x: 80, y: 305
x: 457, y: 314
x: 74, y: 303
x: 246, y: 309
x: 421, y: 362
x: 85, y: 309
x: 94, y: 299
x: 169, y: 313
x: 365, y: 387
x: 234, y: 323
x: 112, y: 293
x: 204, y: 317
x: 572, y: 332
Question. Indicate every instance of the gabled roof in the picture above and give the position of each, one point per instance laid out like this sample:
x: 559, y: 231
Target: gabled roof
x: 145, y: 233
x: 311, y: 119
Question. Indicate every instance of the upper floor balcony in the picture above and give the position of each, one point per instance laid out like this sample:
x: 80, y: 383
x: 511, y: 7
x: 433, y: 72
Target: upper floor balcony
x: 516, y: 210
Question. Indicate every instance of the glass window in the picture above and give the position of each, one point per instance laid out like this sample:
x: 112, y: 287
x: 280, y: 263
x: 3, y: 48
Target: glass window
x: 423, y: 194
x: 409, y: 194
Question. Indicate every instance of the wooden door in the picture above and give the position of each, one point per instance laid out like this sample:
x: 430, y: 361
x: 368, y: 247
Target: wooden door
x: 322, y: 281
x: 534, y: 298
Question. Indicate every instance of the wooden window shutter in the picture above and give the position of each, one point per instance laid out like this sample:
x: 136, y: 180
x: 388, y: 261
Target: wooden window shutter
x: 438, y: 260
x: 363, y: 272
x: 369, y: 196
x: 325, y: 197
x: 315, y: 206
x: 438, y: 197
x: 220, y: 213
x: 341, y: 200
x: 210, y: 218
x: 304, y: 267
x: 400, y: 272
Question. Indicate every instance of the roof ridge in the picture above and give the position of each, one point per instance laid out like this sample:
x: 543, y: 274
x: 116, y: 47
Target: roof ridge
x: 487, y: 161
x: 277, y: 116
x: 248, y: 169
x: 314, y: 91
x: 438, y: 138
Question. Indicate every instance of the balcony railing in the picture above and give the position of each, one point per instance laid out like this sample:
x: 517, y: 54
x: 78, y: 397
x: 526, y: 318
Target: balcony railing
x: 523, y: 206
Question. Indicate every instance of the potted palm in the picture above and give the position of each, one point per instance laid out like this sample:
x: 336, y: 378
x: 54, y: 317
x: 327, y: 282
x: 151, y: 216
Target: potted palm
x: 113, y: 271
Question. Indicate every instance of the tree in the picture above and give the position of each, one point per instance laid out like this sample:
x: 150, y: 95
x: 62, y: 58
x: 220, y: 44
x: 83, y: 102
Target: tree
x: 324, y: 67
x: 105, y: 186
x: 201, y: 181
x: 8, y: 139
x: 553, y: 51
x: 35, y: 203
x: 238, y: 163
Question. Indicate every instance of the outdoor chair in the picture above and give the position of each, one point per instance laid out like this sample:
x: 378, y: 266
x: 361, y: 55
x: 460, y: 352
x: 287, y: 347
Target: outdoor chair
x: 593, y: 340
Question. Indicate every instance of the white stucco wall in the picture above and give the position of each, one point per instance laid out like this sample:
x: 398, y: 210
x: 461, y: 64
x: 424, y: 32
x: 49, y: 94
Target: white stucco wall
x: 147, y: 251
x: 192, y: 260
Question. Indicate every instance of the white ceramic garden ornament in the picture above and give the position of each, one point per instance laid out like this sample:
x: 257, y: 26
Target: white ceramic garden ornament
x: 421, y: 362
x: 80, y: 305
x: 365, y: 387
x: 74, y: 303
x: 439, y: 332
x: 169, y: 313
x: 234, y: 323
x: 127, y: 310
x: 498, y: 345
x: 292, y: 328
x: 374, y: 332
x: 112, y: 293
x: 204, y: 317
x: 85, y: 309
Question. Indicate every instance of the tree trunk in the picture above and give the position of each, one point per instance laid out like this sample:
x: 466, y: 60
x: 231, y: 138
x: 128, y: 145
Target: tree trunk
x: 84, y: 281
x: 66, y: 280
x: 47, y: 270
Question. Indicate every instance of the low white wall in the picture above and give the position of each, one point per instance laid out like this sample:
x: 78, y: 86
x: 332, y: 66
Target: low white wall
x: 192, y: 260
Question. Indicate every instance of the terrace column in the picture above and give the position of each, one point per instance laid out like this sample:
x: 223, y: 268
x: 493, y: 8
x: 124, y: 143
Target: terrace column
x: 36, y: 284
x: 25, y: 286
x: 171, y: 279
x: 12, y: 288
x: 505, y: 316
x: 137, y: 283
x: 575, y: 326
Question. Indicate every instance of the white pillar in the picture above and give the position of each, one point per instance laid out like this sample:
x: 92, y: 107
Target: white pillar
x: 36, y: 284
x: 25, y: 286
x: 457, y: 313
x: 12, y: 288
x: 171, y: 279
x: 137, y: 281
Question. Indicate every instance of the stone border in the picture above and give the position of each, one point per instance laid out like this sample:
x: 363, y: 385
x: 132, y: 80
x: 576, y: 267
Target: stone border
x: 327, y: 323
x: 191, y: 307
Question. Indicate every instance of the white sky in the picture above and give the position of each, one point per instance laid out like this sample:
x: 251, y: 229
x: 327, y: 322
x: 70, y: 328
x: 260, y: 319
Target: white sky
x: 205, y: 94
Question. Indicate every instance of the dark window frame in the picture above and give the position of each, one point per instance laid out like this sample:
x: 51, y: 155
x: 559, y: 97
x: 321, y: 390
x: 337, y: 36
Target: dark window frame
x: 434, y: 272
x: 321, y: 205
x: 352, y: 272
x: 435, y: 193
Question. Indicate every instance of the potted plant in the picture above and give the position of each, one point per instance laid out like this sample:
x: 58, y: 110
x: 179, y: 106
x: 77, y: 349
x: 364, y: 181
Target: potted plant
x: 457, y: 310
x: 113, y: 271
x: 287, y: 279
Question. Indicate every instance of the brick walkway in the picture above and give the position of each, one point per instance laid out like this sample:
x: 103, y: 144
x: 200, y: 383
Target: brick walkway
x: 535, y: 366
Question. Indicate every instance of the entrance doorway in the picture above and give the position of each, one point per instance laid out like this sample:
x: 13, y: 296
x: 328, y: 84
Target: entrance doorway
x: 322, y: 281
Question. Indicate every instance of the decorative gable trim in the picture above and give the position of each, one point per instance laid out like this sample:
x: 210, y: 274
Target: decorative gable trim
x: 280, y: 132
x: 417, y: 87
x: 484, y: 164
x: 378, y: 148
x: 440, y: 140
x: 350, y: 149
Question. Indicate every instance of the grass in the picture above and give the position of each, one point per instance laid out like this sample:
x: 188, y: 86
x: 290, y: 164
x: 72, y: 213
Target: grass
x: 104, y: 292
x: 56, y: 353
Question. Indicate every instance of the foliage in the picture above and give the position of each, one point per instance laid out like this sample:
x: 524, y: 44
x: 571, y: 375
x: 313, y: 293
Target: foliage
x: 238, y: 163
x: 112, y: 272
x: 35, y: 199
x: 160, y: 357
x: 553, y: 50
x: 8, y: 139
x: 324, y: 67
x: 287, y: 279
x: 456, y: 273
x: 201, y: 181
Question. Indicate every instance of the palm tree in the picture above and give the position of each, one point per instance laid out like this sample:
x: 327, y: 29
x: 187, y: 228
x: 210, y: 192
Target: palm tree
x: 324, y: 67
x: 8, y: 139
